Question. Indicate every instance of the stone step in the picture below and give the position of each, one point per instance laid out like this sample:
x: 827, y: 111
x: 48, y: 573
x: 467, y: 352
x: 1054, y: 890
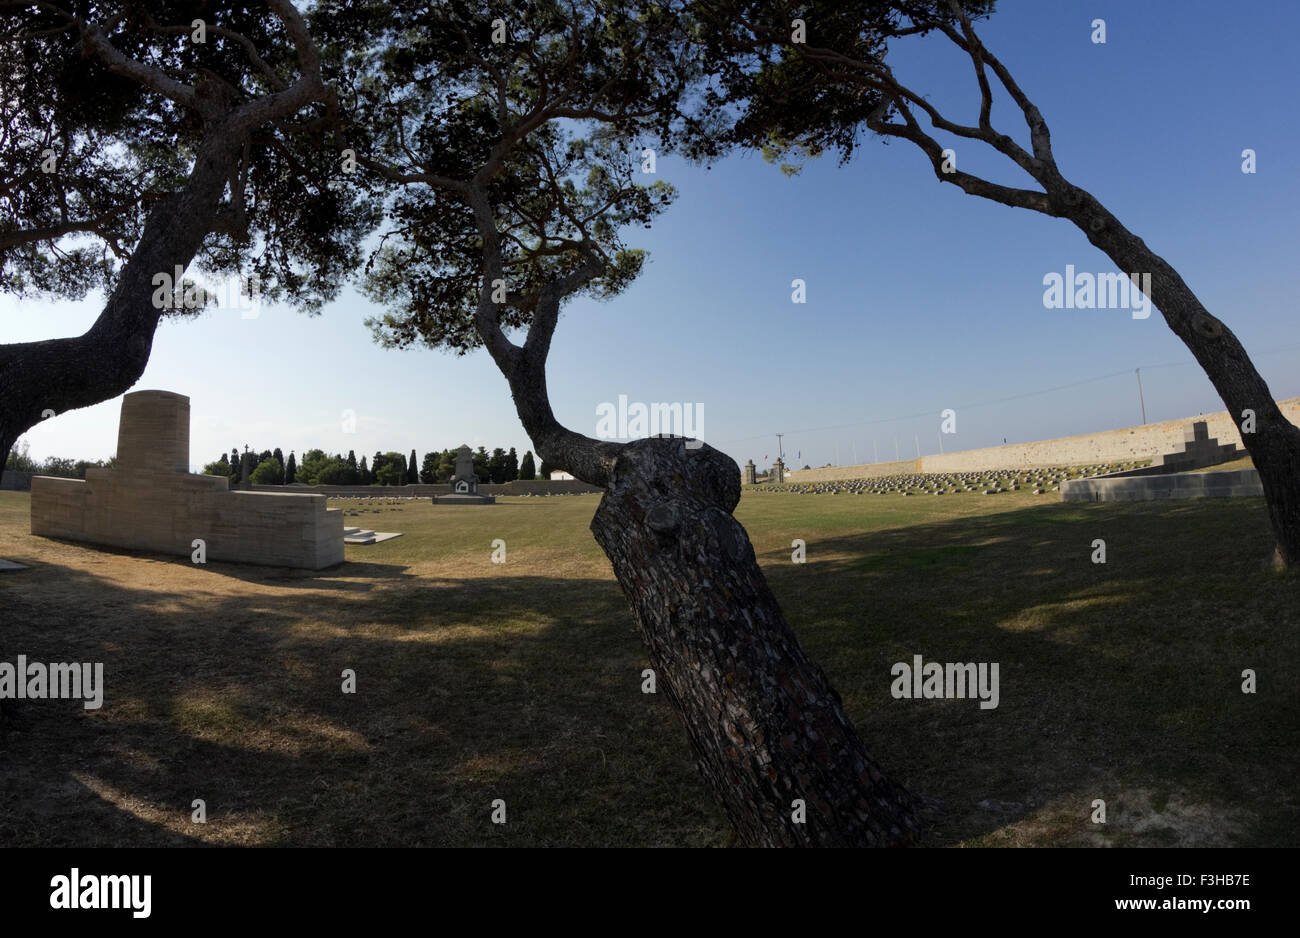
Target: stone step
x: 358, y: 536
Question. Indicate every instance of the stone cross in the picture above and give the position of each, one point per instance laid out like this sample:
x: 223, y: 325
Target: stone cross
x: 1199, y: 450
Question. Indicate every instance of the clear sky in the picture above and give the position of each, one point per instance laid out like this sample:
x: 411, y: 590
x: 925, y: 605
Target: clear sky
x: 919, y: 297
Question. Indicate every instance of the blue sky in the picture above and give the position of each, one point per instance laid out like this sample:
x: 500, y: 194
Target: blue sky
x: 919, y: 297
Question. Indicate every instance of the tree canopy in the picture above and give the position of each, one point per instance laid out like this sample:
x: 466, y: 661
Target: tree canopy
x: 94, y: 142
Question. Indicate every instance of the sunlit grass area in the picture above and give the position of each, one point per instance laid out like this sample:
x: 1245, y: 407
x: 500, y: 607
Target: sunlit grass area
x: 521, y: 681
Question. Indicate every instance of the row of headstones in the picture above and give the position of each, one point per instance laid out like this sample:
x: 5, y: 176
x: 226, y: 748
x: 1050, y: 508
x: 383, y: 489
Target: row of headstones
x: 383, y: 499
x: 942, y: 483
x: 399, y: 499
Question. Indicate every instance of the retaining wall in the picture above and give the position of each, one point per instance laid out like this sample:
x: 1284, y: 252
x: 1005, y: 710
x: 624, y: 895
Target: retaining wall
x: 1123, y: 445
x: 558, y: 487
x: 11, y: 481
x: 1229, y: 483
x: 865, y: 471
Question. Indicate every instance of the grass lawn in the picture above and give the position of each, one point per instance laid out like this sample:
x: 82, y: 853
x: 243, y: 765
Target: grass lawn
x: 1241, y: 462
x: 521, y: 681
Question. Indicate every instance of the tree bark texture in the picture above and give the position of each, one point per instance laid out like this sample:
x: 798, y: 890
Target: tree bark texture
x: 765, y: 724
x: 769, y: 733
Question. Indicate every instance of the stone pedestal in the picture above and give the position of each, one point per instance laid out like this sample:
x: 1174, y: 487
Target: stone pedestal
x: 778, y: 471
x: 751, y: 473
x: 154, y: 432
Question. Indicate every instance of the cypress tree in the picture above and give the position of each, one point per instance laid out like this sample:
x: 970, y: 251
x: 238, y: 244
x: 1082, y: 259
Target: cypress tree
x: 429, y: 468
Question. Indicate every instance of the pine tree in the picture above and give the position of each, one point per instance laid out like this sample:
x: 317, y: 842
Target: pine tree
x: 412, y: 474
x: 291, y: 470
x: 527, y: 468
x: 278, y: 455
x: 363, y: 473
x: 429, y: 468
x: 446, y: 465
x: 375, y: 465
x: 354, y: 472
x: 512, y: 465
x: 545, y: 471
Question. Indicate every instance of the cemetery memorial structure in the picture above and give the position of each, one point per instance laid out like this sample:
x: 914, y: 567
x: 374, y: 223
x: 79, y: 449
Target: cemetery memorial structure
x: 150, y: 501
x: 464, y: 483
x: 1172, y: 475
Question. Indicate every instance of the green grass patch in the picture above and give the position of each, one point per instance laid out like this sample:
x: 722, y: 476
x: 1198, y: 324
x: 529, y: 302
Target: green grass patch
x: 946, y: 557
x: 521, y: 680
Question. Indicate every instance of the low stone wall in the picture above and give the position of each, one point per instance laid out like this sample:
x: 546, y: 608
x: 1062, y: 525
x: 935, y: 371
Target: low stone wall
x: 864, y: 471
x: 165, y: 511
x: 558, y: 487
x: 1109, y: 446
x: 1128, y: 488
x: 352, y: 491
x: 11, y: 481
x: 555, y: 487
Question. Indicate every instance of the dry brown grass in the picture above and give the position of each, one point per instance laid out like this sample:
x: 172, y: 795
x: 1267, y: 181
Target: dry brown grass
x: 1243, y: 462
x: 521, y: 681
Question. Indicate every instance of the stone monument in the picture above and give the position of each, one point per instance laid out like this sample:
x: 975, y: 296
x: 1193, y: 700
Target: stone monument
x: 1199, y: 450
x: 151, y: 501
x: 778, y: 471
x: 464, y: 483
x: 751, y: 473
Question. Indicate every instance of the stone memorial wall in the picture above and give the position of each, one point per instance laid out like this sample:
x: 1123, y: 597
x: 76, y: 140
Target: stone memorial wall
x: 140, y: 506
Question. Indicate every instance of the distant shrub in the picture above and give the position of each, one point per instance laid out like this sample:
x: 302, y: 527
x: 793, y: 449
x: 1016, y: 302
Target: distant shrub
x: 268, y: 472
x: 335, y: 472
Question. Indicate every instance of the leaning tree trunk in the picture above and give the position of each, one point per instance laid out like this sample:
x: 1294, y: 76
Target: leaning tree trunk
x: 767, y: 728
x: 1275, y: 445
x: 55, y: 375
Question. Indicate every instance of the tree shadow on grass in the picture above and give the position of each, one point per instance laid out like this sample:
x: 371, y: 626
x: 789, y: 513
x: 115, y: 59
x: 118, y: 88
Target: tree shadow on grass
x: 354, y: 576
x: 350, y: 575
x: 1114, y: 678
x: 527, y: 689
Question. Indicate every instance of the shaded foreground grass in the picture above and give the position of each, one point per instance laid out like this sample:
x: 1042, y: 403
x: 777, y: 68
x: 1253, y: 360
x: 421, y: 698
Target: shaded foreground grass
x: 521, y: 681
